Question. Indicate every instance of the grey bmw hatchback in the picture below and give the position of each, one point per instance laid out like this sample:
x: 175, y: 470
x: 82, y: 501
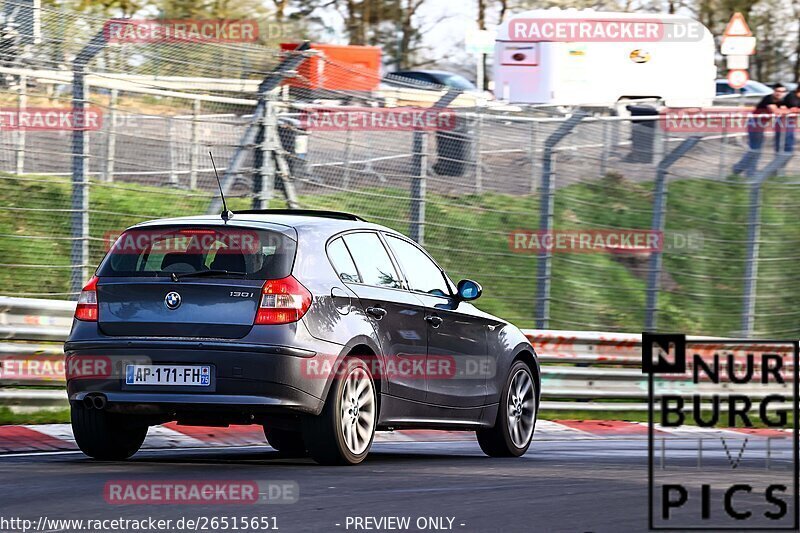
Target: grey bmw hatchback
x: 317, y: 325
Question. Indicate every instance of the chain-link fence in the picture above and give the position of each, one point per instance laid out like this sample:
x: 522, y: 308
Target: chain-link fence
x: 480, y: 183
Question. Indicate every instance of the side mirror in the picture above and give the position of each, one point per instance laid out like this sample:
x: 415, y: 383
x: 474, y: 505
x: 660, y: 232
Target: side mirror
x: 469, y: 290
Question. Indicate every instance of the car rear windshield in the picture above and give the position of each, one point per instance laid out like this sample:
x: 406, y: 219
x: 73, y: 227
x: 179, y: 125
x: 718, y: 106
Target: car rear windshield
x: 165, y: 251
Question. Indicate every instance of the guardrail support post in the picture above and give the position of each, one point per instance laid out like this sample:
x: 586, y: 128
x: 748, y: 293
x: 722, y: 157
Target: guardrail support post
x: 79, y: 257
x: 545, y: 257
x: 753, y: 236
x: 659, y: 212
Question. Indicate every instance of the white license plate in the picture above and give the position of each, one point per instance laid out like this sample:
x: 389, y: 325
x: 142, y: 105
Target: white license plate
x: 197, y: 376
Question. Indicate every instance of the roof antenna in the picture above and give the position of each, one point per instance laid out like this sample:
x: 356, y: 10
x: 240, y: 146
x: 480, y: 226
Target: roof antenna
x: 225, y: 213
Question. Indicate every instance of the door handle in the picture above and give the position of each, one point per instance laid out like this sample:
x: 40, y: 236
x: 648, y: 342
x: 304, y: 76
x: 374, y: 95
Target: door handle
x: 434, y: 320
x: 377, y: 312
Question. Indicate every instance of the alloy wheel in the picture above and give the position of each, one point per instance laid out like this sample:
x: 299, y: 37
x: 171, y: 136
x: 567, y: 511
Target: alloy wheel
x: 358, y: 411
x: 521, y: 408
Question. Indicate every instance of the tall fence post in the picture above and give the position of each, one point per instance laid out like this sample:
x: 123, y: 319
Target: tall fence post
x: 546, y: 205
x: 111, y: 137
x: 659, y: 215
x: 418, y: 186
x: 723, y: 151
x: 22, y: 103
x: 348, y: 156
x: 194, y: 149
x: 419, y: 169
x: 614, y: 134
x: 271, y: 81
x: 259, y: 157
x: 478, y: 158
x: 171, y: 152
x: 753, y: 237
x: 266, y: 145
x: 604, y: 149
x: 79, y: 257
x: 660, y: 139
x: 532, y: 153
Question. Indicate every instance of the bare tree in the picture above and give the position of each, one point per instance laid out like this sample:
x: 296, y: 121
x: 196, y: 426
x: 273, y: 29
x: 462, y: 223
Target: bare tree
x: 409, y: 35
x: 280, y: 9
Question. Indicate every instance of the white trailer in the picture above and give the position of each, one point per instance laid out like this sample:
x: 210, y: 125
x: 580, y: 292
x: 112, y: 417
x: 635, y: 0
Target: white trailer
x: 576, y: 57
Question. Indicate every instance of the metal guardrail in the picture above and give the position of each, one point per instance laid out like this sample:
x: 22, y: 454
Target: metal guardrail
x: 581, y: 370
x: 32, y: 319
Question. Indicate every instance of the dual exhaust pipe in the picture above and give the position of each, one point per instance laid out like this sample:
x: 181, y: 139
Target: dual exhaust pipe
x: 95, y: 401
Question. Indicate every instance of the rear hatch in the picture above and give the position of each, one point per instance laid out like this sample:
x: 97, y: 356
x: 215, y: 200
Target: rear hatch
x: 198, y: 281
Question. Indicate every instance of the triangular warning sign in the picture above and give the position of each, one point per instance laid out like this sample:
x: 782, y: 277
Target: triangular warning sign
x: 737, y: 27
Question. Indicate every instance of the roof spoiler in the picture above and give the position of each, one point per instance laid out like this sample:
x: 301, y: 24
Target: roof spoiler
x: 303, y: 213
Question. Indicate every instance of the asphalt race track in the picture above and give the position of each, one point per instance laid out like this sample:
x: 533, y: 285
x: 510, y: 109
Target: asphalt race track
x: 560, y: 485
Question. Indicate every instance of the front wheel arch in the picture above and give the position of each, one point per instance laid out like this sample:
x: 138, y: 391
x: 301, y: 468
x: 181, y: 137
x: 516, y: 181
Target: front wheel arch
x: 529, y: 359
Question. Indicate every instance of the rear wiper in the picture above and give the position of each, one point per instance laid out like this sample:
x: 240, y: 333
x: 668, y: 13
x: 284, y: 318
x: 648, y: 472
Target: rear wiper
x: 201, y: 273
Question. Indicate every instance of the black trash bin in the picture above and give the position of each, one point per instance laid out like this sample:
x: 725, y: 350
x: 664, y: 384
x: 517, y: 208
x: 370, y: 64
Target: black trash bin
x: 294, y: 140
x: 643, y: 134
x: 454, y: 149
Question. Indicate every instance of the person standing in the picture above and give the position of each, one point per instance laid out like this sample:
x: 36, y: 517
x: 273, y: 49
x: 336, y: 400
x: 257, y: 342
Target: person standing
x: 765, y: 111
x: 791, y: 103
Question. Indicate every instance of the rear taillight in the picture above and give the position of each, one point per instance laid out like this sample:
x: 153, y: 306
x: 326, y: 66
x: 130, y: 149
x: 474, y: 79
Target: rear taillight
x: 87, y: 302
x: 282, y: 301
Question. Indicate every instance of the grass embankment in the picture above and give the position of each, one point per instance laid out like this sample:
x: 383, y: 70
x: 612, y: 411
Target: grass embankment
x: 45, y: 416
x: 469, y: 235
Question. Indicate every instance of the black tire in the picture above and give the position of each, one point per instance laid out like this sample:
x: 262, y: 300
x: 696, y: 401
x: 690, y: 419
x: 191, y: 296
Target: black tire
x: 107, y: 436
x: 288, y: 443
x: 324, y: 434
x: 497, y: 441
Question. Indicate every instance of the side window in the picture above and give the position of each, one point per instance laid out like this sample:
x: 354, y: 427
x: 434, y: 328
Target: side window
x: 373, y: 261
x: 724, y: 88
x: 422, y: 274
x: 342, y: 261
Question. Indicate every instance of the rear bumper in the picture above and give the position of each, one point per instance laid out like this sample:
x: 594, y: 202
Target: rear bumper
x: 246, y: 379
x: 284, y: 400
